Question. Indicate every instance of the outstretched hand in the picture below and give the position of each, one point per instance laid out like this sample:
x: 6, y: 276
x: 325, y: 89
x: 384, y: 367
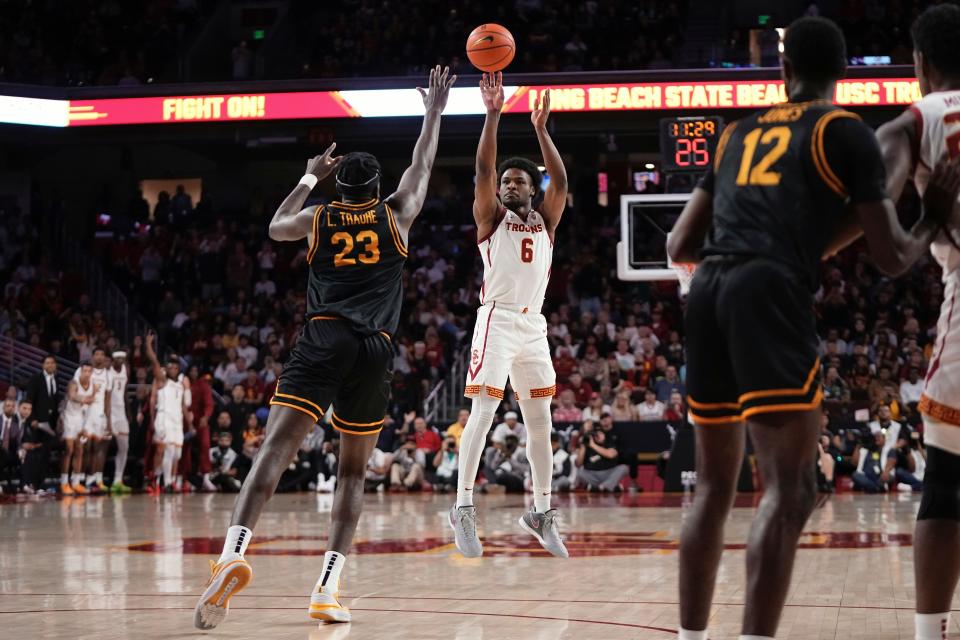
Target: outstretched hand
x: 540, y: 114
x: 491, y: 90
x: 324, y: 164
x: 438, y: 90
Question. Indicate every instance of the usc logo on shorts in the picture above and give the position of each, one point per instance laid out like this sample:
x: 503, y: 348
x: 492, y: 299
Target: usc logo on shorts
x: 475, y: 356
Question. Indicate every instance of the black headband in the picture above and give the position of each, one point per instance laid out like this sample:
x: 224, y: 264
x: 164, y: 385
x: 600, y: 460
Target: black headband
x: 344, y: 185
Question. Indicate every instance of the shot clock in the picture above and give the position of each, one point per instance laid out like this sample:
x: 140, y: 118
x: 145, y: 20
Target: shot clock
x: 689, y: 143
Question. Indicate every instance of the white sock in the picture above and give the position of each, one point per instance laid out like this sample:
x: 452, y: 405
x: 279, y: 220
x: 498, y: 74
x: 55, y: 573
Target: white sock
x: 235, y: 544
x: 756, y: 638
x: 932, y: 626
x: 686, y: 634
x: 76, y: 478
x: 98, y: 477
x: 536, y: 417
x: 332, y: 565
x: 120, y: 462
x: 167, y: 466
x: 89, y: 478
x: 472, y: 440
x: 64, y: 478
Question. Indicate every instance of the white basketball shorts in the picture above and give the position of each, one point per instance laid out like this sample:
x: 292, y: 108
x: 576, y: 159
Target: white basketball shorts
x: 508, y: 343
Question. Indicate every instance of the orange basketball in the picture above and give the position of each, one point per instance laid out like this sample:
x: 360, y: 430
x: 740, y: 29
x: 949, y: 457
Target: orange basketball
x: 490, y: 47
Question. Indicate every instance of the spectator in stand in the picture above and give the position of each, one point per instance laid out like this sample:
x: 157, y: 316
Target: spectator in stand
x: 562, y: 465
x: 506, y: 465
x: 181, y: 205
x: 650, y: 409
x: 202, y: 409
x: 378, y: 468
x: 427, y: 442
x: 870, y: 473
x: 253, y: 388
x: 567, y: 410
x: 626, y: 360
x: 510, y: 426
x: 911, y: 388
x: 406, y: 474
x: 622, y: 409
x: 580, y: 388
x: 446, y: 463
x: 245, y: 350
x: 668, y: 384
x: 265, y: 287
x: 834, y: 387
x: 677, y: 410
x: 253, y: 437
x: 237, y: 410
x: 455, y: 430
x: 11, y: 433
x: 222, y: 459
x: 596, y: 408
x: 598, y: 461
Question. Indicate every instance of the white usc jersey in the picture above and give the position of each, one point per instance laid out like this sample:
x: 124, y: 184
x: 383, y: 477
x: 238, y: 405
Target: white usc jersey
x: 75, y: 411
x: 938, y: 129
x: 170, y: 401
x: 118, y: 388
x: 99, y: 378
x: 510, y: 336
x: 938, y: 125
x: 517, y: 257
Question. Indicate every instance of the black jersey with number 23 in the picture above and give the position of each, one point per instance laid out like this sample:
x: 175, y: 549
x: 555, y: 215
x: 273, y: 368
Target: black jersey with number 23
x: 356, y: 263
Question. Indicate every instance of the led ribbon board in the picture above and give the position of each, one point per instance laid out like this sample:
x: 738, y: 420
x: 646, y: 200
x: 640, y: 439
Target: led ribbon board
x: 381, y: 103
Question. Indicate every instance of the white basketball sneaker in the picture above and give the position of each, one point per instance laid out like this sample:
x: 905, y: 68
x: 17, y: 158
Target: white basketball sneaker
x: 325, y: 605
x: 226, y: 580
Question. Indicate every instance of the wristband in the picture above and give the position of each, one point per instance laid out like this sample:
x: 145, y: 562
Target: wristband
x: 310, y: 180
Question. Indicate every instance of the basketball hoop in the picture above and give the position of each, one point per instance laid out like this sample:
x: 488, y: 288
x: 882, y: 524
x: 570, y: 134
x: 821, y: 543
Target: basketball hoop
x: 684, y: 272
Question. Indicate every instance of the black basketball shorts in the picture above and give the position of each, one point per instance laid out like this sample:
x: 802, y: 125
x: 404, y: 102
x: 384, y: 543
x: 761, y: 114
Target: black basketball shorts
x: 333, y: 364
x: 751, y: 341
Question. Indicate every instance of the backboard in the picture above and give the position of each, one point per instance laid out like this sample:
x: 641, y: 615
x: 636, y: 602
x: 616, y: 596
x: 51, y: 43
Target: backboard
x: 645, y: 220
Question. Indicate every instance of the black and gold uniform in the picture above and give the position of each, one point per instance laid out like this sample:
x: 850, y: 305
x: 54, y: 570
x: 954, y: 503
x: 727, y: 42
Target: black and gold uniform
x: 782, y: 178
x: 344, y: 353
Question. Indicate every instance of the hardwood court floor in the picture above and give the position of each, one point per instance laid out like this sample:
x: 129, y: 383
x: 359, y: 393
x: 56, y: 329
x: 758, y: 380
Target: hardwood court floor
x: 132, y: 567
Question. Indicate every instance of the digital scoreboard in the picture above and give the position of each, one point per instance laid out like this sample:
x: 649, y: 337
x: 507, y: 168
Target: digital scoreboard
x: 689, y: 143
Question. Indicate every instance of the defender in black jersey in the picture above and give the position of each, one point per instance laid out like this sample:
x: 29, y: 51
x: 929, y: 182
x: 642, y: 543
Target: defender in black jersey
x: 790, y: 185
x: 343, y: 356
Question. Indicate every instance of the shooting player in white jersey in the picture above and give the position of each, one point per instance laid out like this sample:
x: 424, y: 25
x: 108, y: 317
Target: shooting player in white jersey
x: 510, y: 336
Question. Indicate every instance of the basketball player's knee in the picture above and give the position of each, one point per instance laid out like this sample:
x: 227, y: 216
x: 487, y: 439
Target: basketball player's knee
x: 536, y: 415
x: 941, y: 486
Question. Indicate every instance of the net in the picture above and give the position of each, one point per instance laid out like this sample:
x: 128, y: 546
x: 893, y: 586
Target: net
x: 684, y: 271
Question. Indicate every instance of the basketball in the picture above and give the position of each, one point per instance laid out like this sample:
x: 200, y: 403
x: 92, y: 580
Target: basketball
x: 490, y: 47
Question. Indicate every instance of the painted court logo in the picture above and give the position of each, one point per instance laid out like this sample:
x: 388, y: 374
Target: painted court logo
x: 582, y: 544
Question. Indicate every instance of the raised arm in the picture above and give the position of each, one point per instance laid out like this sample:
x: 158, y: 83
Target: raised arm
x: 555, y: 198
x: 158, y: 372
x: 292, y: 222
x: 486, y: 204
x: 686, y: 238
x: 412, y: 190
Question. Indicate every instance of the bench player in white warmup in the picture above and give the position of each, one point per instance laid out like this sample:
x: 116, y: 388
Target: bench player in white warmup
x: 911, y: 144
x: 96, y: 424
x: 172, y: 400
x: 81, y: 393
x: 117, y: 377
x: 510, y: 336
